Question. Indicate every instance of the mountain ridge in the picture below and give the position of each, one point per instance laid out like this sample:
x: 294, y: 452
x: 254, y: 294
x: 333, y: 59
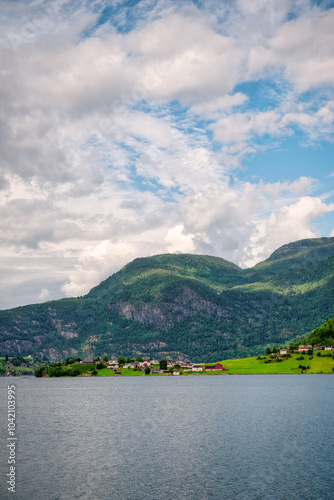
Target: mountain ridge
x: 184, y: 305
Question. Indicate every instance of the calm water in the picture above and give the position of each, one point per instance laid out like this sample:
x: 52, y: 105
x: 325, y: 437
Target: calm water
x: 194, y: 438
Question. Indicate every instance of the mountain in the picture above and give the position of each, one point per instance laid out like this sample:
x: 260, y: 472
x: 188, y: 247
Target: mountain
x: 193, y: 306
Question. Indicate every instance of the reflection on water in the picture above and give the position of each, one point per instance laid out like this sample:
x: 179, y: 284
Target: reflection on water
x: 217, y: 437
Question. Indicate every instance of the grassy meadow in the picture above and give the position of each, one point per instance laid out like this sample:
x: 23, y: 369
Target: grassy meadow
x: 317, y: 364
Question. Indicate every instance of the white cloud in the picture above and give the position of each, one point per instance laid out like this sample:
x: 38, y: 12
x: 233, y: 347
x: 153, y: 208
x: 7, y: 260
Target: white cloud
x: 303, y: 47
x: 44, y: 294
x: 177, y: 241
x: 106, y: 151
x: 291, y: 223
x: 212, y: 109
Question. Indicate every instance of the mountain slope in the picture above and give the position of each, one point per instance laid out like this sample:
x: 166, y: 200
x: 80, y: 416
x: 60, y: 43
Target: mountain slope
x: 190, y: 305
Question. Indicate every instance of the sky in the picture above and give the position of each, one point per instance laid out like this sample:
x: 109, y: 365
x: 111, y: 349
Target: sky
x: 141, y: 127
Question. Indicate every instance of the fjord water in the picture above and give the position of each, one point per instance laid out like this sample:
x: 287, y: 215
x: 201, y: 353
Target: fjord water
x: 198, y: 437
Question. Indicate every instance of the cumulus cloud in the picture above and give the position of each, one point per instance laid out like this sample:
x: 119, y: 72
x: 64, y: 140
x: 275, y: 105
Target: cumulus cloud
x: 178, y: 241
x: 304, y: 46
x: 290, y: 223
x: 128, y: 137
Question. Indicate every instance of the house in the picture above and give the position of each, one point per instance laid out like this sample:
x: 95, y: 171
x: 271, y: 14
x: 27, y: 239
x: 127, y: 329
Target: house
x: 170, y: 364
x: 187, y: 365
x: 156, y: 370
x: 317, y: 348
x: 328, y: 347
x: 217, y: 366
x: 283, y: 351
x: 176, y: 372
x: 197, y: 368
x: 87, y: 361
x: 304, y: 348
x: 118, y: 373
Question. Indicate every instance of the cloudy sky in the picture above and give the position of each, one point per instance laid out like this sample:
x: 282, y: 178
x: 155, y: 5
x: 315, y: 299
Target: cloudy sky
x: 133, y: 128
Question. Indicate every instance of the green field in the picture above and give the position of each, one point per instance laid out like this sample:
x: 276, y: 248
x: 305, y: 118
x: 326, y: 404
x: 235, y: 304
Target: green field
x: 319, y: 364
x: 105, y: 372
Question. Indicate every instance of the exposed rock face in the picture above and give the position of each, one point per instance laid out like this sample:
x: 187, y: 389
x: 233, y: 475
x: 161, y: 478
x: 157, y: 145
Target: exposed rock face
x: 16, y: 346
x: 165, y: 315
x: 66, y: 330
x: 144, y: 313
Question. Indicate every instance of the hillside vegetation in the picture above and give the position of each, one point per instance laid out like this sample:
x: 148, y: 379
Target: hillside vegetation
x: 193, y: 306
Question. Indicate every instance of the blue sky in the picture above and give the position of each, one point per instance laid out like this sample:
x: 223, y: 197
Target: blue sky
x: 135, y: 128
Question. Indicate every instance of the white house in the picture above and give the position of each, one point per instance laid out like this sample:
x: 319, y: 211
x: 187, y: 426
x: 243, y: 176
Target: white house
x: 197, y: 368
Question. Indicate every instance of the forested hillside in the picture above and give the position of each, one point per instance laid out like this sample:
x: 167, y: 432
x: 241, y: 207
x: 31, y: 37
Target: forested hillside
x: 193, y: 306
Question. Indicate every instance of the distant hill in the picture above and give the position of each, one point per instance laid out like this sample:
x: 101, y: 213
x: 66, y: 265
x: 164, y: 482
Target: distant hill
x: 184, y: 305
x: 323, y: 335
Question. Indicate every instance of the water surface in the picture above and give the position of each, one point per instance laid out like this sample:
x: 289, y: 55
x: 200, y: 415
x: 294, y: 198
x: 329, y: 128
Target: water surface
x: 199, y: 437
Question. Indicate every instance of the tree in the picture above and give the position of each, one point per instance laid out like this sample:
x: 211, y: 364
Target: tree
x: 96, y: 359
x: 105, y: 358
x: 16, y: 361
x: 163, y: 364
x: 139, y: 359
x: 121, y: 360
x: 147, y: 370
x: 70, y: 361
x: 292, y: 346
x: 268, y: 351
x: 41, y: 371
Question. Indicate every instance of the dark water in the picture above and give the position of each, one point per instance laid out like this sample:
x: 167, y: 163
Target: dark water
x: 199, y: 437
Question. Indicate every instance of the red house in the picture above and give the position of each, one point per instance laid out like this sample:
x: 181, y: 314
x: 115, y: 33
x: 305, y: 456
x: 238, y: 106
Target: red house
x: 305, y: 348
x: 217, y: 366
